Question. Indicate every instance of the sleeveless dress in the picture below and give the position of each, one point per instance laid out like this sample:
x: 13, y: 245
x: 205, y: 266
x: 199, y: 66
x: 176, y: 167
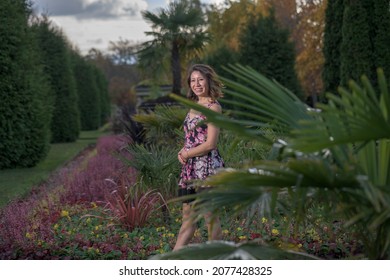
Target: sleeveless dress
x: 200, y: 167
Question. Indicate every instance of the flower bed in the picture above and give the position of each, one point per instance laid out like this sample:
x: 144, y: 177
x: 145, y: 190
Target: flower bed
x: 71, y: 219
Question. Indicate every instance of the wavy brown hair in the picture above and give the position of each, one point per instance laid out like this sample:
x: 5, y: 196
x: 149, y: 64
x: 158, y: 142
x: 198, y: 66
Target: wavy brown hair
x: 214, y: 84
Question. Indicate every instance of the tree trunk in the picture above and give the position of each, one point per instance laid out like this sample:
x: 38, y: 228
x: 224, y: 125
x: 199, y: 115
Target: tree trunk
x: 176, y: 68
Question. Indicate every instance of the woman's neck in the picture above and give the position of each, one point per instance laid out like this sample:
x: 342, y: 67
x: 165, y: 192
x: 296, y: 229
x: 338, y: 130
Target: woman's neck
x: 204, y: 100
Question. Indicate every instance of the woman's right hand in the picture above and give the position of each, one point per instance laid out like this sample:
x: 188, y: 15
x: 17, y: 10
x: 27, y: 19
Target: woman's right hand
x: 180, y: 157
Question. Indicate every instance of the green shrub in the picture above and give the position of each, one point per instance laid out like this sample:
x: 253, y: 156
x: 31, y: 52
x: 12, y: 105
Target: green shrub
x: 65, y: 125
x: 88, y: 93
x: 25, y: 111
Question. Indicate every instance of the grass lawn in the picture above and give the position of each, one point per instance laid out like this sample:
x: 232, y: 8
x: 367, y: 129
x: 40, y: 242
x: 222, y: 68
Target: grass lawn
x: 18, y: 182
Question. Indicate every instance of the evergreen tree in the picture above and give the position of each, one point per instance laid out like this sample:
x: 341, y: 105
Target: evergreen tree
x: 25, y: 97
x: 218, y: 59
x: 221, y: 57
x: 332, y: 42
x: 105, y: 104
x: 356, y: 57
x: 88, y: 93
x: 65, y: 126
x: 381, y: 34
x: 266, y: 47
x: 356, y: 41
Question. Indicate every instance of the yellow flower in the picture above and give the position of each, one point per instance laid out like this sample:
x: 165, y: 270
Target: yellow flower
x: 88, y: 220
x: 64, y: 213
x: 264, y: 220
x: 225, y: 231
x: 55, y: 226
x: 197, y: 233
x: 142, y: 238
x: 96, y: 227
x: 28, y: 235
x: 275, y: 231
x: 238, y: 229
x: 93, y: 204
x: 299, y: 245
x: 242, y: 237
x: 125, y: 235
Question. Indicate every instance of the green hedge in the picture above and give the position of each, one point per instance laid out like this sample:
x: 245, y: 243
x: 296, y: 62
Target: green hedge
x: 25, y: 95
x: 65, y: 126
x: 88, y: 93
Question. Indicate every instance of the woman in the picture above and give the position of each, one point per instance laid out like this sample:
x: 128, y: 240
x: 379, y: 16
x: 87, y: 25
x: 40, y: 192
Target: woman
x: 199, y: 156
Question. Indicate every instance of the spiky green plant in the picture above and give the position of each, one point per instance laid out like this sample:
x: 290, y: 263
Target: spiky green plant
x: 162, y: 126
x: 157, y: 167
x: 338, y: 153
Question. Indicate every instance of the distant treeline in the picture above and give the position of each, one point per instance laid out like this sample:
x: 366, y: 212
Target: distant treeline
x: 48, y: 90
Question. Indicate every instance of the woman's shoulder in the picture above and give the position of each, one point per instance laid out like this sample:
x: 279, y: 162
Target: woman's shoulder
x: 215, y: 106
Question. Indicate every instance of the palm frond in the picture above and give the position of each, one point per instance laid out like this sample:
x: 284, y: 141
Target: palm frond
x: 224, y: 121
x: 160, y: 125
x: 259, y: 103
x: 222, y: 250
x: 339, y: 153
x: 240, y: 189
x: 356, y: 116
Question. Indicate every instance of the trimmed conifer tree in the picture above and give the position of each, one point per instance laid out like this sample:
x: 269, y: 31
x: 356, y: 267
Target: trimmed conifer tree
x: 88, y: 93
x: 266, y: 47
x: 105, y: 103
x: 332, y: 42
x: 65, y: 126
x: 380, y: 27
x: 356, y: 41
x: 356, y: 56
x: 25, y: 112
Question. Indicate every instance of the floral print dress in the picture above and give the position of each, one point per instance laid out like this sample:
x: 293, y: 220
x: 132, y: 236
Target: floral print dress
x: 197, y: 168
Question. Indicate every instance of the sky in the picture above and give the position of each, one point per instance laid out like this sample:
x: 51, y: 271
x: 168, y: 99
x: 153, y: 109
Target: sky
x: 94, y: 23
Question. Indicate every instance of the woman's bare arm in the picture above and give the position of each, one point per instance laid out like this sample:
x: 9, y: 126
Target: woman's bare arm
x: 211, y: 140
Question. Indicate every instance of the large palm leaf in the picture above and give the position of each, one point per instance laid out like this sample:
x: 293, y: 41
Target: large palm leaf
x: 324, y: 151
x: 221, y: 250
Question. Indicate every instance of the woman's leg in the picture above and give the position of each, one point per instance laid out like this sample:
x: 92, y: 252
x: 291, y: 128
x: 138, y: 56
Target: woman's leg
x: 213, y: 227
x: 187, y: 228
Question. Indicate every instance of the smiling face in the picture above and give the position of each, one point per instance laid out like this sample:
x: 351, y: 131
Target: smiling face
x: 198, y: 84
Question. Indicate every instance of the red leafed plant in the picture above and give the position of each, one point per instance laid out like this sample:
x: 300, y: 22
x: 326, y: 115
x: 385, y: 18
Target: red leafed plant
x: 132, y: 206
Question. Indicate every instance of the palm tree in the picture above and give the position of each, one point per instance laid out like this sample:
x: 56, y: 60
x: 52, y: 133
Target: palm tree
x: 178, y: 28
x: 338, y: 152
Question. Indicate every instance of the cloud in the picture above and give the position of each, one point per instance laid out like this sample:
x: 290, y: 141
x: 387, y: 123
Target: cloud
x: 94, y: 23
x: 91, y: 9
